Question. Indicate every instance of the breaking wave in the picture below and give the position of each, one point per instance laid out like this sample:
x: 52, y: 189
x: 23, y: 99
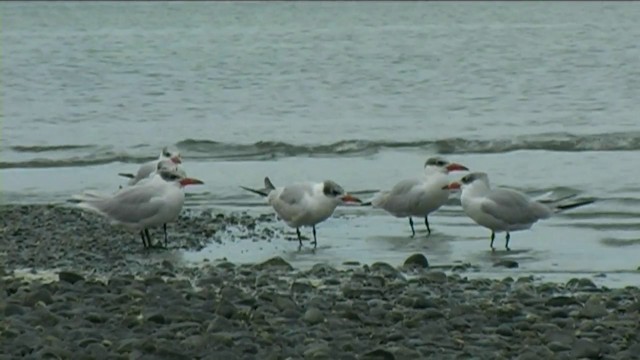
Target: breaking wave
x: 264, y: 150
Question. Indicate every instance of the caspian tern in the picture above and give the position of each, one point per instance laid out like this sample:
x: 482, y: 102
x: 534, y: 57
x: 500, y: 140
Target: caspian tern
x: 304, y: 204
x: 419, y: 196
x: 504, y: 210
x: 148, y: 168
x: 154, y: 202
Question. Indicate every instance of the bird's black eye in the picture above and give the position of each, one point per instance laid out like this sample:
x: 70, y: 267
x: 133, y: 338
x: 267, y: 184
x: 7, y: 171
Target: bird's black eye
x: 167, y: 154
x: 441, y: 163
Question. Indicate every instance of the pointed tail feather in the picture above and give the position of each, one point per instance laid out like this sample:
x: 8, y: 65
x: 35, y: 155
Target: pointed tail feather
x: 261, y: 192
x: 127, y: 175
x: 551, y: 201
x: 268, y: 185
x: 88, y: 196
x: 574, y: 204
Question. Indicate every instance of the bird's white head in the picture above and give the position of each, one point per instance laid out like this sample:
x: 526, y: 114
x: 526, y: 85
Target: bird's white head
x: 474, y: 179
x: 169, y: 165
x: 334, y: 191
x: 175, y: 176
x: 170, y: 153
x: 438, y: 164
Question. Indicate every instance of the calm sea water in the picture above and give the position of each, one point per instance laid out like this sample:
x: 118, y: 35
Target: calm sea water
x: 542, y: 96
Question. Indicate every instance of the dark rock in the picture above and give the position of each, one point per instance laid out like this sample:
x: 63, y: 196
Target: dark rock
x: 299, y: 287
x: 437, y: 277
x: 416, y: 261
x: 509, y: 264
x: 157, y: 318
x: 313, y: 316
x: 13, y: 309
x: 378, y: 354
x: 504, y: 330
x: 385, y: 269
x: 564, y: 337
x: 558, y: 347
x: 48, y: 352
x: 274, y: 263
x: 70, y: 277
x: 42, y: 295
x: 322, y: 270
x: 226, y: 309
x: 584, y: 348
x: 593, y: 309
x: 562, y: 301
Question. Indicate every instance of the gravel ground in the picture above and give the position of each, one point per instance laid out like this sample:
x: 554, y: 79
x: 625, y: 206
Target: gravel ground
x: 102, y: 301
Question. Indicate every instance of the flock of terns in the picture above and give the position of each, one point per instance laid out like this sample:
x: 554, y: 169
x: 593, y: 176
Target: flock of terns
x: 154, y: 196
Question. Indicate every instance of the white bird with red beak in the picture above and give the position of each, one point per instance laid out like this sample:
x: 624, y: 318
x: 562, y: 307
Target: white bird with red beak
x: 150, y: 203
x: 304, y: 204
x: 419, y: 196
x: 504, y: 210
x: 147, y: 169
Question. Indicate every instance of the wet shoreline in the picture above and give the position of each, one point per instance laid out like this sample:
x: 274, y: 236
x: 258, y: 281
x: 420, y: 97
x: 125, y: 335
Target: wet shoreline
x: 74, y: 286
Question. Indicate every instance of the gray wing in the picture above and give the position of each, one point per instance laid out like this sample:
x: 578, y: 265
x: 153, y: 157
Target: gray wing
x: 130, y: 205
x: 513, y: 207
x: 398, y: 197
x: 144, y: 171
x: 293, y: 194
x: 289, y: 202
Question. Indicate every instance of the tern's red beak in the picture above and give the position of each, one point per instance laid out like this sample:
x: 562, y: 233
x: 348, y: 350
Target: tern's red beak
x: 350, y: 198
x: 190, y: 181
x: 176, y: 160
x: 453, y: 186
x: 456, y: 167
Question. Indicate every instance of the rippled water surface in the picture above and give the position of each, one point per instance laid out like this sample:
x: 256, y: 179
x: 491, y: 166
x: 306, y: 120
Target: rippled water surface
x: 542, y: 96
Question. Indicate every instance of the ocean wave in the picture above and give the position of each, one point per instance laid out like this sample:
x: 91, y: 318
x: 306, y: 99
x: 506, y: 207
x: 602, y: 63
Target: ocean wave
x: 49, y: 148
x: 203, y: 149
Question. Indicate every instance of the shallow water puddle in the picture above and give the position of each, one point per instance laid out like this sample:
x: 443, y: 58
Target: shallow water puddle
x: 547, y: 251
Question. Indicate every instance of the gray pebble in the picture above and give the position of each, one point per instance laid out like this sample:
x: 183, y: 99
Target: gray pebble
x: 313, y: 316
x: 378, y: 354
x: 593, y: 309
x: 562, y: 301
x: 416, y: 261
x: 584, y: 348
x: 509, y: 264
x: 504, y: 330
x: 274, y: 264
x: 70, y: 277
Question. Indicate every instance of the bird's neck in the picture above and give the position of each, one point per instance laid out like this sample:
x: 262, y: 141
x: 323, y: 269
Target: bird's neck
x: 477, y: 189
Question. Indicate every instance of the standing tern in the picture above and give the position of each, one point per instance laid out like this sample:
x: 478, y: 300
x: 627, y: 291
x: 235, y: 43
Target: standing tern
x: 504, y: 210
x: 419, y: 196
x: 304, y: 204
x: 147, y: 169
x: 168, y: 165
x: 153, y: 202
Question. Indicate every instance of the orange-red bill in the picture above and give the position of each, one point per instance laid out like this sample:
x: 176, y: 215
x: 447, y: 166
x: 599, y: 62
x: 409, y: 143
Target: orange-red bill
x: 453, y: 186
x: 351, y: 198
x: 456, y: 167
x: 176, y: 160
x: 190, y: 181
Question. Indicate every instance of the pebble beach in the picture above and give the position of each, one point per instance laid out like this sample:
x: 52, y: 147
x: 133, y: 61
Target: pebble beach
x: 75, y: 287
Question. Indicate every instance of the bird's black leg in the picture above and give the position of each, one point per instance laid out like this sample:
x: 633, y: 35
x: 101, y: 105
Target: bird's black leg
x: 493, y: 237
x: 506, y: 246
x: 164, y: 226
x: 299, y: 238
x: 144, y: 241
x: 413, y: 231
x: 315, y: 242
x: 146, y: 232
x: 426, y: 222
